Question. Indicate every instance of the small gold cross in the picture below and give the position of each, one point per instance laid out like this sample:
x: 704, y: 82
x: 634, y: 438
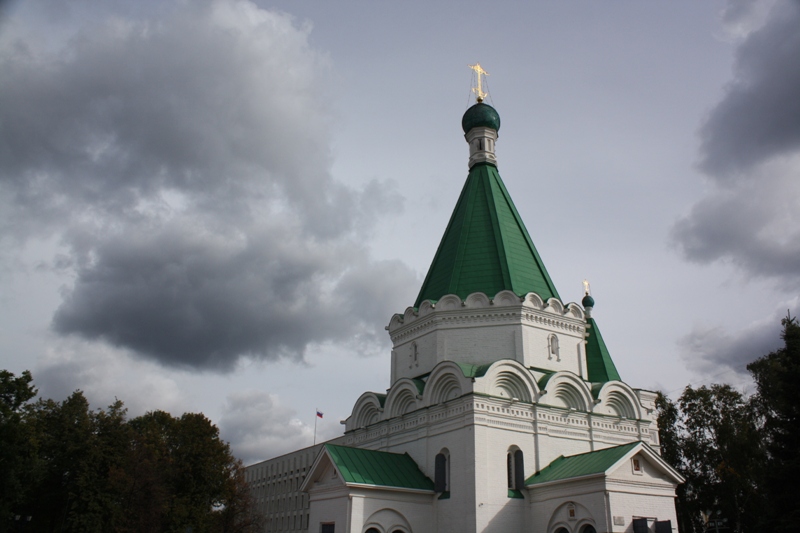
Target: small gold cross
x: 480, y: 95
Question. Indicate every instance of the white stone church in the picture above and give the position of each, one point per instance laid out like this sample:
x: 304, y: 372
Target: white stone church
x: 505, y: 412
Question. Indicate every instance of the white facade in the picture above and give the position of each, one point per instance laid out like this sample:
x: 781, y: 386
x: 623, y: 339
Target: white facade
x: 526, y: 399
x: 497, y: 386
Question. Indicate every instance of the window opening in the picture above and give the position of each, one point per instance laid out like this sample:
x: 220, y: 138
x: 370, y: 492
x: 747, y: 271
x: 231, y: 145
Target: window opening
x: 515, y: 472
x: 441, y: 481
x: 553, y: 346
x: 637, y: 465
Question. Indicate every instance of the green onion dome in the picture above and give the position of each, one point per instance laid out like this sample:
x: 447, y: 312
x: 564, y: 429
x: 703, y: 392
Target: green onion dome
x: 587, y: 301
x: 480, y: 115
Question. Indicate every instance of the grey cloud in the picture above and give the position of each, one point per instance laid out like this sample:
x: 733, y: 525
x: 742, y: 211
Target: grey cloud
x: 189, y: 296
x: 259, y: 427
x: 750, y: 149
x: 180, y: 155
x: 711, y: 350
x: 741, y: 17
x: 754, y: 226
x: 105, y: 374
x: 759, y: 116
x: 219, y: 101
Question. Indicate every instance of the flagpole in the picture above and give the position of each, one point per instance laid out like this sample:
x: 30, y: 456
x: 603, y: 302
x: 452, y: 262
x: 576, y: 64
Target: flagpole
x: 315, y: 425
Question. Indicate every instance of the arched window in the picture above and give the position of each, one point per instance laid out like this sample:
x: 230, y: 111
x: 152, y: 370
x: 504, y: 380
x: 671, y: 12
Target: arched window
x: 372, y: 530
x: 552, y: 342
x: 441, y: 481
x: 588, y: 529
x: 515, y: 471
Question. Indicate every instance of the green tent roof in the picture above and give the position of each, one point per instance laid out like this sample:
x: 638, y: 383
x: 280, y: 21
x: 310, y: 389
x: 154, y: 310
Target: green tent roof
x: 485, y: 247
x: 598, y: 361
x: 370, y: 467
x: 584, y: 464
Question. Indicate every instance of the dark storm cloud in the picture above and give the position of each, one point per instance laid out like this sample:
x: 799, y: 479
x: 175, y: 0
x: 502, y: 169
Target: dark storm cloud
x: 759, y: 117
x: 219, y: 101
x: 750, y: 149
x: 188, y: 296
x: 182, y: 158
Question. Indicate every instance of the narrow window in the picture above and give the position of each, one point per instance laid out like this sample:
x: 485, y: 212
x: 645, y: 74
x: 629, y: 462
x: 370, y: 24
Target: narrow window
x: 510, y: 470
x: 553, y: 345
x: 440, y: 483
x: 327, y: 528
x: 515, y: 472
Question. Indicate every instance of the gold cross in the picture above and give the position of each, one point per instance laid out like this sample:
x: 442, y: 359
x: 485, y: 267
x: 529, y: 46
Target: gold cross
x: 586, y: 286
x: 480, y: 95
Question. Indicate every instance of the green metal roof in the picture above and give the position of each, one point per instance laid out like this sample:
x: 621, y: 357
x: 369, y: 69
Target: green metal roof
x: 485, y: 247
x: 584, y: 464
x: 370, y: 467
x: 474, y: 371
x: 599, y: 365
x: 480, y: 115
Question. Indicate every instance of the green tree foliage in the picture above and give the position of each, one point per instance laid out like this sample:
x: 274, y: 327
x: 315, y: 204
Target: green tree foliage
x: 777, y: 377
x: 16, y: 455
x: 740, y: 456
x: 77, y: 469
x: 712, y: 437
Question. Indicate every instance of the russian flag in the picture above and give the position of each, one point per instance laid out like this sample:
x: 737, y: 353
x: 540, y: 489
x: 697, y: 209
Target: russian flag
x: 319, y: 413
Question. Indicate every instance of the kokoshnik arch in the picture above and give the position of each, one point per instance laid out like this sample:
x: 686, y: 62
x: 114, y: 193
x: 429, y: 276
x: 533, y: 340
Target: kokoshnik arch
x: 505, y: 411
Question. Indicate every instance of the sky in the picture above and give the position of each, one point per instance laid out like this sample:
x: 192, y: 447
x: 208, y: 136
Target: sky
x: 217, y: 205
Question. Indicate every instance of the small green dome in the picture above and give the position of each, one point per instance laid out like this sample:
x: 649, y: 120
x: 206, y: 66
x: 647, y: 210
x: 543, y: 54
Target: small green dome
x: 480, y: 115
x: 587, y: 301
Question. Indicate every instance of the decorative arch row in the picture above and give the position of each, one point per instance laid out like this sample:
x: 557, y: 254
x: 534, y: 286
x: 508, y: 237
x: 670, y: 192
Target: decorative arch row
x: 507, y: 379
x: 478, y: 300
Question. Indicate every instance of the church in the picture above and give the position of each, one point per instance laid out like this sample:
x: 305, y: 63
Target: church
x: 505, y: 412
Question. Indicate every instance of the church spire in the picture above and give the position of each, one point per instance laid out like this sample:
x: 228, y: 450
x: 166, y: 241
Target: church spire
x: 599, y: 366
x: 485, y: 247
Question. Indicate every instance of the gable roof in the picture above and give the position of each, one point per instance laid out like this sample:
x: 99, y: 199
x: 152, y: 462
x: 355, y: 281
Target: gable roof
x: 596, y: 463
x: 485, y: 247
x: 599, y: 366
x: 370, y: 467
x: 584, y: 464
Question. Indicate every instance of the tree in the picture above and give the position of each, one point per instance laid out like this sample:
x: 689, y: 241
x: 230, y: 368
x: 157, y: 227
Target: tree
x: 76, y: 448
x: 238, y: 514
x: 712, y: 437
x: 777, y: 376
x: 671, y: 441
x: 76, y: 469
x: 16, y: 453
x: 182, y: 475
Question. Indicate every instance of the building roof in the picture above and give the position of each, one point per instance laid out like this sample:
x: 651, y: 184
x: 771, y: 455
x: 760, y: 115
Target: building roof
x: 584, y: 464
x: 474, y: 371
x: 599, y: 366
x: 370, y: 467
x: 485, y: 247
x: 480, y: 115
